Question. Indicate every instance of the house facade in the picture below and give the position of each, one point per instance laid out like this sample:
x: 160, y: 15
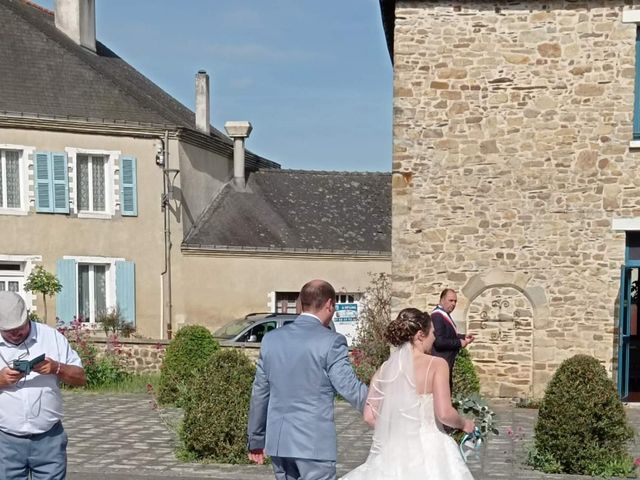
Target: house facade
x: 109, y: 182
x: 516, y: 128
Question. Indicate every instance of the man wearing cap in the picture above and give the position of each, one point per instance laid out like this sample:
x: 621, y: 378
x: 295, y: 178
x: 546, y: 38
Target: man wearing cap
x: 32, y: 440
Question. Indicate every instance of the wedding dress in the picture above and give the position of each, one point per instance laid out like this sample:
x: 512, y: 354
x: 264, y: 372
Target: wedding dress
x: 408, y: 442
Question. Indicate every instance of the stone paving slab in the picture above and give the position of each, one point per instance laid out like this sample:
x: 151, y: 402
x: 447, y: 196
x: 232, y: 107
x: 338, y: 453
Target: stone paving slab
x: 124, y: 437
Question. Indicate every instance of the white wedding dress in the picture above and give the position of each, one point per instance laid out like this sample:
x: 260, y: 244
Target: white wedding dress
x: 408, y: 443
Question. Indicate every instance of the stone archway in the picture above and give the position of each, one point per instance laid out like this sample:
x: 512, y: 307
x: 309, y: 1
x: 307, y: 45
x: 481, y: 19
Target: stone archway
x: 504, y: 313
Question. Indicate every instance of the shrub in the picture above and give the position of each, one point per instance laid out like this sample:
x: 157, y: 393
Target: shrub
x: 370, y: 349
x: 185, y: 357
x: 465, y: 377
x: 103, y: 369
x: 582, y: 427
x: 216, y: 409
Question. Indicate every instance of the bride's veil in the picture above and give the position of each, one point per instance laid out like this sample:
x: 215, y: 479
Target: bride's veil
x: 396, y: 406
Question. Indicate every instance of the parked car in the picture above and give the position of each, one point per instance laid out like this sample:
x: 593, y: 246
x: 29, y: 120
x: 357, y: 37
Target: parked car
x: 251, y: 329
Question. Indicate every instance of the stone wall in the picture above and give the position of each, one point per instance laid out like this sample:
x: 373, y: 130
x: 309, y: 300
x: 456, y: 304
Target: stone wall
x: 145, y: 356
x: 512, y: 123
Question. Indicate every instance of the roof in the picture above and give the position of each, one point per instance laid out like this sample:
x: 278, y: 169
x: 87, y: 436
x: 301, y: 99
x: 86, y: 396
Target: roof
x: 45, y: 73
x: 293, y: 210
x: 388, y: 14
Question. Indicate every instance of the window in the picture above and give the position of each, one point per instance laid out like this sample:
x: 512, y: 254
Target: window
x: 12, y: 277
x: 91, y: 183
x: 10, y: 179
x: 256, y: 333
x: 286, y: 301
x: 92, y: 291
x: 92, y: 285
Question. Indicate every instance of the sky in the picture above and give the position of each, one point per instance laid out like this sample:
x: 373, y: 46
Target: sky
x: 313, y: 77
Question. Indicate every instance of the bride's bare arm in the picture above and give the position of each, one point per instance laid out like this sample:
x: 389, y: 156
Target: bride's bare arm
x: 444, y: 411
x: 373, y: 404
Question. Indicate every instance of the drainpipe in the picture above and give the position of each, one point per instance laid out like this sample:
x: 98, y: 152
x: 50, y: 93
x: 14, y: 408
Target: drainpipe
x: 166, y: 273
x: 238, y: 131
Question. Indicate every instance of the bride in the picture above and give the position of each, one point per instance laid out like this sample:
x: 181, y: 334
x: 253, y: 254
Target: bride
x: 409, y: 401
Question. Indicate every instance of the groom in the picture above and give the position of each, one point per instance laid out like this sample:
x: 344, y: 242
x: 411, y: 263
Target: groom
x: 301, y: 368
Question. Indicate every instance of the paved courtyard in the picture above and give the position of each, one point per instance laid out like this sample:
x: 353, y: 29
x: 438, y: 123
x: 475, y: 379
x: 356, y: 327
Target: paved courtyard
x: 123, y: 437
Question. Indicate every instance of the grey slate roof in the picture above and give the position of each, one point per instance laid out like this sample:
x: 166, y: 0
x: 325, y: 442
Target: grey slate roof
x: 302, y: 210
x: 43, y: 72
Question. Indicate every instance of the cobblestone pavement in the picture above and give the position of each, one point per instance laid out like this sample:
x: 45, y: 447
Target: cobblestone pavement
x: 123, y: 437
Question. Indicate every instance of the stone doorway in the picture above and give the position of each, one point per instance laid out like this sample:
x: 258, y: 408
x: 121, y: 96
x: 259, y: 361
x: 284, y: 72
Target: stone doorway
x: 502, y: 320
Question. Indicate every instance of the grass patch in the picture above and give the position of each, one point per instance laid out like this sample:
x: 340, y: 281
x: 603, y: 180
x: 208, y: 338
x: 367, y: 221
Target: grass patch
x: 136, y: 383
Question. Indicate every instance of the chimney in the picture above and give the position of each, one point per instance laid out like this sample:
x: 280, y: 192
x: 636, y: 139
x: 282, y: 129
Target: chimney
x: 238, y: 131
x: 203, y: 111
x: 77, y: 20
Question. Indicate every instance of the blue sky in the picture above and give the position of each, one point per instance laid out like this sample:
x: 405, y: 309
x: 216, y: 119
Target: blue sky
x: 312, y: 76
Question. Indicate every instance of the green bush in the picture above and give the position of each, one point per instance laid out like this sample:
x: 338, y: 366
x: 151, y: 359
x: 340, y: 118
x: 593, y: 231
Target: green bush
x: 105, y: 370
x: 185, y: 357
x: 216, y: 409
x: 465, y: 377
x: 582, y: 427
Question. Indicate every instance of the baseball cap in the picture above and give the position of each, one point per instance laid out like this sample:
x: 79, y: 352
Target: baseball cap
x: 13, y: 311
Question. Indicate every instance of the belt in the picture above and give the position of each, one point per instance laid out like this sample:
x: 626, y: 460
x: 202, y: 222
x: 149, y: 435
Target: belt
x: 33, y: 435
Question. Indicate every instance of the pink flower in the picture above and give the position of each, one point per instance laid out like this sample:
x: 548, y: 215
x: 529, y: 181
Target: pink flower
x: 636, y: 462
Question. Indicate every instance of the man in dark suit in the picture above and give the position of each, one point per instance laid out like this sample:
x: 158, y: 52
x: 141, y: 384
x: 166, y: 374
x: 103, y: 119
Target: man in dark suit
x: 301, y: 368
x: 448, y: 341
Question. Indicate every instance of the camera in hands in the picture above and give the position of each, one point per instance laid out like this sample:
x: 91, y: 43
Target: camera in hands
x: 25, y: 366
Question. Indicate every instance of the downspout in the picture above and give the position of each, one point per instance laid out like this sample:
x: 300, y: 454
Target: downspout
x: 166, y: 273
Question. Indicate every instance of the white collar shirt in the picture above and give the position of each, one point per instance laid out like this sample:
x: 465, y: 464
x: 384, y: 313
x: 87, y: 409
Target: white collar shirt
x: 34, y: 404
x: 311, y: 315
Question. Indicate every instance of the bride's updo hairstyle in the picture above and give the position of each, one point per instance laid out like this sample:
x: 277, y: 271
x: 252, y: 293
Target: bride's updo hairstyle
x: 408, y: 322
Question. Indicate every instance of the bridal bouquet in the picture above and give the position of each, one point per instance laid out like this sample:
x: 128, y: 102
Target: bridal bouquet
x: 477, y: 408
x: 485, y: 423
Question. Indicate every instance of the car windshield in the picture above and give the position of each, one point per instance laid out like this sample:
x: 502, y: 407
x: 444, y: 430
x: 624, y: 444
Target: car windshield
x: 232, y: 329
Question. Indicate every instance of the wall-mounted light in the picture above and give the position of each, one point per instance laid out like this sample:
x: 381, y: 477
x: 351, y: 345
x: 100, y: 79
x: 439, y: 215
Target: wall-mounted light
x: 160, y: 153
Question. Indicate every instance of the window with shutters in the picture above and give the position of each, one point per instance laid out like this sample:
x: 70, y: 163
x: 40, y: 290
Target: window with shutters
x: 92, y: 285
x: 14, y: 197
x: 93, y: 183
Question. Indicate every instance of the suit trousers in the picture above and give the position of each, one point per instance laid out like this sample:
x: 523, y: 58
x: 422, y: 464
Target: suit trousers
x: 287, y: 468
x: 41, y: 456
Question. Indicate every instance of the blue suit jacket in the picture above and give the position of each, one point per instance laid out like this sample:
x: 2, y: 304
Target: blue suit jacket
x: 301, y: 367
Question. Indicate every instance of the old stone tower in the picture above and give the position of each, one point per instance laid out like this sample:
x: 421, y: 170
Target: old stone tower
x: 515, y: 178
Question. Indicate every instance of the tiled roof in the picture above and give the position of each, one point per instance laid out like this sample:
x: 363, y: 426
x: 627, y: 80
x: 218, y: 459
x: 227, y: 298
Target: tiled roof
x: 299, y: 210
x: 45, y: 73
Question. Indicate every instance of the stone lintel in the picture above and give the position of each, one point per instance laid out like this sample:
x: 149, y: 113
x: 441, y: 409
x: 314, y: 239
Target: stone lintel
x: 626, y: 224
x: 630, y: 16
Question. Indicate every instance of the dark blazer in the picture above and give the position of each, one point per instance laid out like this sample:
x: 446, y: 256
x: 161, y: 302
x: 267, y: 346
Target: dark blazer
x: 301, y: 368
x: 447, y: 344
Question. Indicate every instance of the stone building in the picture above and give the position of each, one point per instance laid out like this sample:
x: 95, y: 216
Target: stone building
x: 516, y: 128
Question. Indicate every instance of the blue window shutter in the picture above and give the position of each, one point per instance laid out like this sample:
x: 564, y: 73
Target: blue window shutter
x: 636, y: 102
x: 42, y: 173
x: 66, y: 300
x: 126, y: 290
x: 60, y: 176
x: 128, y: 187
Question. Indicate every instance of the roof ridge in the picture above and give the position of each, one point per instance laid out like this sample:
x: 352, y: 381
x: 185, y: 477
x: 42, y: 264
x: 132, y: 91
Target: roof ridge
x: 38, y: 7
